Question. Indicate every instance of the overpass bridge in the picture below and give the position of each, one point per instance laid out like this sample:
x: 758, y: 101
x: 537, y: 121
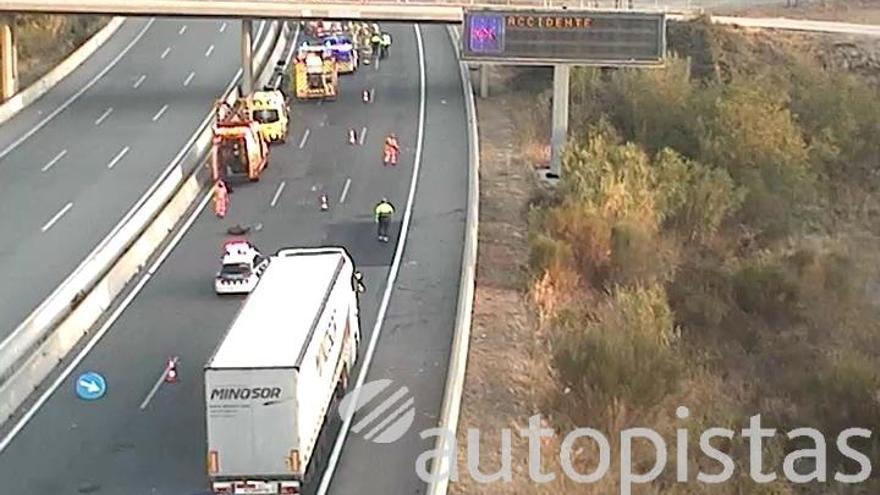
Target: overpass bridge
x: 423, y: 11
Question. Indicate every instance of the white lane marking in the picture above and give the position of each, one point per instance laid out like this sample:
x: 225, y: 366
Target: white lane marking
x: 160, y: 113
x: 57, y: 216
x: 73, y: 97
x: 182, y: 29
x: 166, y: 52
x: 153, y: 390
x: 139, y: 81
x: 53, y: 161
x: 29, y: 415
x: 372, y: 94
x: 223, y: 26
x: 302, y: 142
x: 278, y: 193
x: 392, y: 275
x: 118, y: 157
x: 41, y: 401
x: 189, y: 78
x: 210, y: 51
x: 376, y: 65
x: 345, y: 190
x: 363, y: 136
x: 104, y: 115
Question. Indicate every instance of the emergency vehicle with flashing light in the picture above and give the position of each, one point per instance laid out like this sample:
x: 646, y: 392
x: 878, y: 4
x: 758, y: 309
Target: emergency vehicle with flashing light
x: 242, y: 266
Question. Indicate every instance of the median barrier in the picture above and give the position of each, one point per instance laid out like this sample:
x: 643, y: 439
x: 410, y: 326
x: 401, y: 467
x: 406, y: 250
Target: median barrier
x: 451, y: 407
x: 51, y: 331
x: 41, y: 86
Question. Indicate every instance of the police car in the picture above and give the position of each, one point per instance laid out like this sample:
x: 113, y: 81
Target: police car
x: 241, y: 268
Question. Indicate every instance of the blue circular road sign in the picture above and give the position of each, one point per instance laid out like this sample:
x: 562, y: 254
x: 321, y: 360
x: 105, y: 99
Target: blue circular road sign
x: 91, y: 386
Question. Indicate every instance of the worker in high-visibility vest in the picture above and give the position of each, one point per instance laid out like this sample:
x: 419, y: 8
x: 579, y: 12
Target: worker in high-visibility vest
x: 385, y: 44
x: 376, y: 42
x: 221, y: 198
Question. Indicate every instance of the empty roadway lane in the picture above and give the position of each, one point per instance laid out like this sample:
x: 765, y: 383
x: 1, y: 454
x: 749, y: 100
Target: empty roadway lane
x: 115, y: 446
x: 75, y: 162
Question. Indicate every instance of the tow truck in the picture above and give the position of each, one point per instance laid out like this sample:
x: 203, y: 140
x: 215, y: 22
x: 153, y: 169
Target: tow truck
x: 241, y: 267
x: 343, y: 49
x: 238, y: 147
x: 315, y: 73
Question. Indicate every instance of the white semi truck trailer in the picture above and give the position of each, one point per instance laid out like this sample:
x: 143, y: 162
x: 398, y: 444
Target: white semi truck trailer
x: 286, y: 358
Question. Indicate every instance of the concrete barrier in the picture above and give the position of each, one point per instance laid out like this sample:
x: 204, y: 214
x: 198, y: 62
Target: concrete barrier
x: 46, y: 336
x: 461, y: 339
x: 41, y: 86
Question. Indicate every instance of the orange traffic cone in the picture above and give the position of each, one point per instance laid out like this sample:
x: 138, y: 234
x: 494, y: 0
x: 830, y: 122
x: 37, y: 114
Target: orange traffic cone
x: 324, y: 205
x: 171, y: 371
x: 352, y: 136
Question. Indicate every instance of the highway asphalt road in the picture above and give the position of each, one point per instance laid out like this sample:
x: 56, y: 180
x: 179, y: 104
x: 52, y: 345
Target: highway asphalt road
x: 114, y: 446
x: 137, y: 116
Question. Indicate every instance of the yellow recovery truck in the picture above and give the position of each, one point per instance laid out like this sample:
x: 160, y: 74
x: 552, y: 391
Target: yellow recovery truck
x: 315, y: 73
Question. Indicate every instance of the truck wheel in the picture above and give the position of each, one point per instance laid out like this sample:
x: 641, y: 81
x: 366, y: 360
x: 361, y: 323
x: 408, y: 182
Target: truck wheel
x: 342, y: 387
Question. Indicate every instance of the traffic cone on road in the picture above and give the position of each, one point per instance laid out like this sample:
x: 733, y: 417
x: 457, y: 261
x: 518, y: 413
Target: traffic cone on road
x: 324, y: 205
x: 352, y: 136
x: 171, y: 371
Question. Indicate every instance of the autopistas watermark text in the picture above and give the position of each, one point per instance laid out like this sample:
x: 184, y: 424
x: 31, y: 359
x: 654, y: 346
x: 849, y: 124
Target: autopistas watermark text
x: 799, y: 466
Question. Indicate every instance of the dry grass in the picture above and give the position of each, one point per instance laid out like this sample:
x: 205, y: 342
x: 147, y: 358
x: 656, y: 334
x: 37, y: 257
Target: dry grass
x: 45, y: 40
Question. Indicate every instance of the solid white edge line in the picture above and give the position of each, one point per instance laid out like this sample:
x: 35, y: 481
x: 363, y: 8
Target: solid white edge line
x: 278, y: 194
x: 345, y: 190
x: 54, y: 161
x: 302, y: 142
x: 392, y: 274
x: 160, y: 112
x: 119, y: 156
x: 60, y: 108
x: 32, y: 411
x: 458, y: 355
x: 48, y: 225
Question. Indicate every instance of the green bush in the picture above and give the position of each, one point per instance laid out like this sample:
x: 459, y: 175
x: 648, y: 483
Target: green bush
x: 696, y: 198
x: 626, y: 352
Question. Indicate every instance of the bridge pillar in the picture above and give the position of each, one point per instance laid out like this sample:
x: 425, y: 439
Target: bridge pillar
x: 247, y: 56
x: 8, y: 59
x: 559, y: 134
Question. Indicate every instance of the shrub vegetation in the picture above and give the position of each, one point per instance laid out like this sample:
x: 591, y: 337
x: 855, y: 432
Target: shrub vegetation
x: 713, y: 245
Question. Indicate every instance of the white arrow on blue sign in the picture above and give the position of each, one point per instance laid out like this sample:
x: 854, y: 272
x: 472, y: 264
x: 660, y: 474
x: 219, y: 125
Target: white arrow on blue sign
x: 91, y: 386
